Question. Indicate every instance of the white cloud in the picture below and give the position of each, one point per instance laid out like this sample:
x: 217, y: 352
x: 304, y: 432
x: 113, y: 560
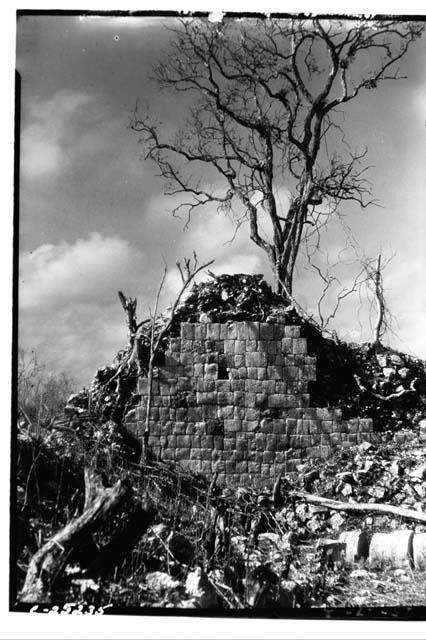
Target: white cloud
x: 48, y: 138
x: 54, y: 275
x: 68, y: 306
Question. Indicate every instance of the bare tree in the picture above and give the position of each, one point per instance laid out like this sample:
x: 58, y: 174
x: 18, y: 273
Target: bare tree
x: 265, y: 118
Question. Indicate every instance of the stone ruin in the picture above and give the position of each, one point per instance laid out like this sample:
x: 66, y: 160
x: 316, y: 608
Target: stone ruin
x: 234, y: 398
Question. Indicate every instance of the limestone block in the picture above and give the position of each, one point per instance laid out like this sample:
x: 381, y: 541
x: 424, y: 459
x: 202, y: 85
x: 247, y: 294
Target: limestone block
x: 271, y: 348
x: 187, y: 330
x: 229, y: 346
x: 187, y: 358
x: 275, y: 372
x: 225, y: 398
x: 266, y: 331
x: 250, y: 400
x: 251, y: 346
x: 253, y: 386
x: 299, y: 346
x: 195, y: 414
x: 290, y: 361
x: 277, y: 360
x: 154, y: 429
x: 228, y: 444
x: 239, y: 361
x: 239, y: 347
x: 281, y: 387
x: 206, y: 467
x: 179, y: 428
x: 198, y: 370
x: 276, y: 400
x: 141, y: 414
x: 335, y: 438
x: 241, y: 372
x: 241, y: 467
x: 256, y: 359
x: 184, y: 384
x: 291, y: 425
x: 326, y: 426
x: 291, y: 331
x: 206, y: 397
x: 213, y: 331
x: 252, y: 414
x: 268, y: 386
x: 309, y: 372
x: 232, y: 331
x: 250, y: 425
x: 287, y: 345
x: 392, y: 549
x: 261, y: 400
x: 356, y: 545
x: 226, y: 412
x: 205, y: 454
x: 279, y: 426
x: 279, y: 331
x: 290, y: 373
x: 241, y: 331
x: 302, y: 427
x: 266, y: 425
x: 312, y: 453
x: 419, y: 551
x: 211, y: 371
x: 261, y: 373
x: 268, y: 457
x: 143, y: 386
x: 265, y: 471
x: 200, y: 332
x: 213, y: 427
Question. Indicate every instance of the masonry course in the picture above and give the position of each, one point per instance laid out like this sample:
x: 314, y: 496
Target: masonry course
x: 234, y: 398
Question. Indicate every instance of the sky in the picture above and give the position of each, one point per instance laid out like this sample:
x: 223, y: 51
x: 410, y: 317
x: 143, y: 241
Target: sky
x: 94, y: 220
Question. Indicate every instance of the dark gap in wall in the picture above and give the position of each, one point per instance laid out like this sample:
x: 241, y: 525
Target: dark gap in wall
x: 222, y: 372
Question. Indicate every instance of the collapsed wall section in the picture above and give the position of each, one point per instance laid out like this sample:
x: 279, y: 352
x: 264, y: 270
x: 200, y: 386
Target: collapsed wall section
x: 234, y: 398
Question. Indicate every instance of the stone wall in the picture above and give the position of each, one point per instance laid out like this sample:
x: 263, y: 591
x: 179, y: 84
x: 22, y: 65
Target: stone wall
x: 234, y: 398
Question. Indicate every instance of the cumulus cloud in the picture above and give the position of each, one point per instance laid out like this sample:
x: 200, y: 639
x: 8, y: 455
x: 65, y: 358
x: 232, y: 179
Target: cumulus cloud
x: 48, y: 137
x: 69, y: 310
x: 53, y: 275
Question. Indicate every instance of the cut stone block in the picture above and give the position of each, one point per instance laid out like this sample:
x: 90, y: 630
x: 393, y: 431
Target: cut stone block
x: 356, y: 545
x: 392, y: 549
x: 419, y: 551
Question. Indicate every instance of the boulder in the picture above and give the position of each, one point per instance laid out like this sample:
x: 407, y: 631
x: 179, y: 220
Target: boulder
x: 389, y: 372
x: 419, y: 551
x: 201, y: 590
x: 160, y: 581
x: 356, y: 545
x: 392, y: 549
x: 419, y: 472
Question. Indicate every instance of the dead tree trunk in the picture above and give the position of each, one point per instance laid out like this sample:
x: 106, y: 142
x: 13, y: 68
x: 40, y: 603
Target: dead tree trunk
x: 49, y: 561
x: 378, y: 291
x: 362, y: 507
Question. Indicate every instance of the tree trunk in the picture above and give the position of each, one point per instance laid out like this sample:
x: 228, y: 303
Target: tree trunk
x: 361, y: 507
x: 49, y: 561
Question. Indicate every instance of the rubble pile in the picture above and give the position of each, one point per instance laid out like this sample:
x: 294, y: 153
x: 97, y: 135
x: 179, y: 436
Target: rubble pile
x: 209, y: 546
x: 369, y: 381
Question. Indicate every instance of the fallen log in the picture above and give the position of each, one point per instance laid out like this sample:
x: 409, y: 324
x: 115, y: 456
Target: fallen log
x: 361, y: 507
x: 49, y: 561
